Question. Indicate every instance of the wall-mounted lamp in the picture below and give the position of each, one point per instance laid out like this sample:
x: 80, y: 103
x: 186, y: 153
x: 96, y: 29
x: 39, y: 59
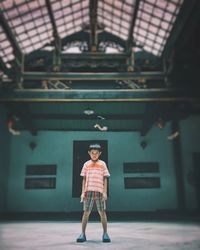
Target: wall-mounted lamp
x: 143, y: 144
x: 32, y: 145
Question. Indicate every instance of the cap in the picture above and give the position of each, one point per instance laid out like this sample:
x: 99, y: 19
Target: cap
x: 95, y: 146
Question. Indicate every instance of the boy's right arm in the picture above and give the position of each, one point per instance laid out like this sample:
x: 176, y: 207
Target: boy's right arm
x: 83, y: 189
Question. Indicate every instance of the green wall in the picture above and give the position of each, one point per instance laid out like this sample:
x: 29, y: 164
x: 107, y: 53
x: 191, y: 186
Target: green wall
x: 4, y: 158
x: 57, y: 148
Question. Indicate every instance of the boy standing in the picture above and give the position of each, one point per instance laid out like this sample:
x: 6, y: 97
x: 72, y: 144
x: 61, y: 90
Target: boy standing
x: 94, y: 188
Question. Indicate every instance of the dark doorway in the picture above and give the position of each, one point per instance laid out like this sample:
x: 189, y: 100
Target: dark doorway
x: 80, y: 156
x: 196, y: 166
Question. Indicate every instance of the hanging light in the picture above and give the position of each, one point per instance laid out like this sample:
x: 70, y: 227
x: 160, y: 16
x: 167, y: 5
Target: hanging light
x: 88, y: 112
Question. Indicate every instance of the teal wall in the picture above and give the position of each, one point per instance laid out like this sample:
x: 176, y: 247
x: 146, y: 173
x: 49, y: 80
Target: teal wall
x: 4, y: 158
x: 57, y: 148
x: 190, y: 143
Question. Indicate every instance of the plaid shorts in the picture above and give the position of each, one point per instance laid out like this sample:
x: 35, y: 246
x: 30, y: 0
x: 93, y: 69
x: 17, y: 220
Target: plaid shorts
x: 92, y: 196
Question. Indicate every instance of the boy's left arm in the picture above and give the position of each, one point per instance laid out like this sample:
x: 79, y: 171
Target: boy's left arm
x: 105, y: 183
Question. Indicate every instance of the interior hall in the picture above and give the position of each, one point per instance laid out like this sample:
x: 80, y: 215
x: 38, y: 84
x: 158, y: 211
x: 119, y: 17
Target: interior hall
x: 123, y: 75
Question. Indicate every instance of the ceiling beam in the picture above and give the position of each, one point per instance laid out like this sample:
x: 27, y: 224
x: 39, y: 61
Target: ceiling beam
x: 50, y: 12
x: 100, y: 95
x: 130, y: 42
x: 82, y: 129
x: 96, y: 56
x: 87, y: 117
x: 93, y: 25
x: 57, y: 40
x: 91, y: 76
x: 130, y: 33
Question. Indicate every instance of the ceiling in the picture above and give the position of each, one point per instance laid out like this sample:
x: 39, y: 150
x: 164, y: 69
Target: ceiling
x: 123, y: 60
x: 47, y: 35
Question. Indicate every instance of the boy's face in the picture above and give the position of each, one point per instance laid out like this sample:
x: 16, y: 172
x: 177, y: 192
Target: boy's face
x: 94, y: 154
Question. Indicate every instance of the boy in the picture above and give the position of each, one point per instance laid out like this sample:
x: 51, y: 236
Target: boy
x: 94, y: 188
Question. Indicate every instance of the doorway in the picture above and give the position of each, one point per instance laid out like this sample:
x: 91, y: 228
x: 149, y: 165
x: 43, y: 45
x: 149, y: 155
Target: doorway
x: 80, y: 156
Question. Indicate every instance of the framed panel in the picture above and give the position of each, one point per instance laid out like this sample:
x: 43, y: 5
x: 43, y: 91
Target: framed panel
x: 40, y: 183
x: 141, y: 167
x: 141, y: 182
x: 41, y: 169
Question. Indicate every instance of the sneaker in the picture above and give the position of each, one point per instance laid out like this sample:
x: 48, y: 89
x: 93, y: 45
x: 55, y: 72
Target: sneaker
x: 81, y: 238
x: 106, y: 238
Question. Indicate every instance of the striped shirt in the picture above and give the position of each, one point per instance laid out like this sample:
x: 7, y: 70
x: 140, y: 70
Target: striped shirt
x: 94, y: 173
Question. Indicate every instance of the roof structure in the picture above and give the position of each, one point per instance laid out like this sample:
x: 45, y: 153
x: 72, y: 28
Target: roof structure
x: 79, y: 26
x: 129, y: 61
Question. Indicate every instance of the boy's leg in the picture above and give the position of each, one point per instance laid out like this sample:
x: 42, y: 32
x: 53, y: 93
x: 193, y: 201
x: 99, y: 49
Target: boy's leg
x: 103, y: 220
x: 101, y: 210
x: 88, y: 204
x: 103, y: 216
x: 82, y: 236
x: 85, y: 218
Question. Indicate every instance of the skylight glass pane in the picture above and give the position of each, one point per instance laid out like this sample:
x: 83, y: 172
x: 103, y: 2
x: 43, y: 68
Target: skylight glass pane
x: 66, y: 11
x: 16, y: 21
x: 156, y: 17
x: 19, y: 30
x: 61, y: 29
x: 29, y: 49
x: 159, y: 40
x: 123, y: 36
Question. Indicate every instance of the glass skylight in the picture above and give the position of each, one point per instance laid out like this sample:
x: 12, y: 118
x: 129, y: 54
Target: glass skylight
x: 30, y: 23
x: 155, y: 19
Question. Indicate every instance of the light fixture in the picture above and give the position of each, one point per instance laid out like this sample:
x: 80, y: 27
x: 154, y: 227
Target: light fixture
x: 88, y: 112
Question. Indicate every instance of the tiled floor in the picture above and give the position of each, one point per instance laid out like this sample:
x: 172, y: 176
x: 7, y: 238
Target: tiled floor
x: 61, y: 235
